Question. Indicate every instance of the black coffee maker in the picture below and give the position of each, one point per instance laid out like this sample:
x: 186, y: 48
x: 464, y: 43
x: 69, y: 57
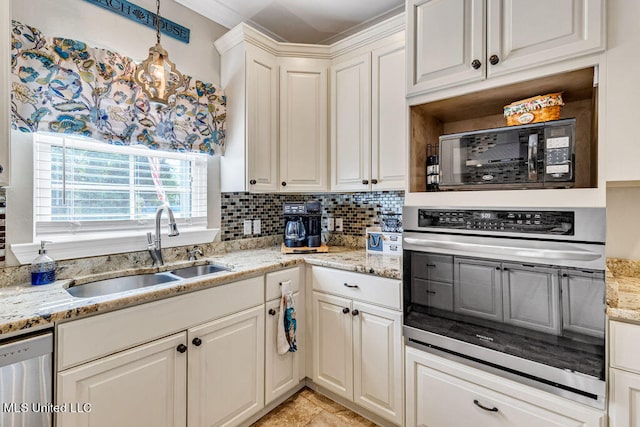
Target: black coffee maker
x: 302, y: 224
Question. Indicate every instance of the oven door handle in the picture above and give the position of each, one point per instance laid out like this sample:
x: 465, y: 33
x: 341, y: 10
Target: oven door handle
x: 552, y: 254
x: 532, y: 157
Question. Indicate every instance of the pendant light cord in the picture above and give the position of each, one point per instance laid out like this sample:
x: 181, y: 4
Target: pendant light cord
x: 158, y: 21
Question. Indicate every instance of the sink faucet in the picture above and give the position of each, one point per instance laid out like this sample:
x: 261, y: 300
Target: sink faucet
x: 155, y: 245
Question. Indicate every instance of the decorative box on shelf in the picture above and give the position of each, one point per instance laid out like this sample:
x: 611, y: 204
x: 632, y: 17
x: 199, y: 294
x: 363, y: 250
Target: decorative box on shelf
x: 541, y: 108
x: 383, y: 242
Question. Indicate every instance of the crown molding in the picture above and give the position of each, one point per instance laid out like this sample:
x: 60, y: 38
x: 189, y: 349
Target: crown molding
x: 245, y: 33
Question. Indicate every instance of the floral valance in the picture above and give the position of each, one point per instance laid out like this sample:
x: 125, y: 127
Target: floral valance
x: 62, y: 85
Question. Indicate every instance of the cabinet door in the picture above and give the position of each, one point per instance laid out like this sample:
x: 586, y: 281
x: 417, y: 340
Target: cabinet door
x: 438, y: 398
x: 523, y: 34
x: 444, y: 39
x: 262, y: 120
x: 477, y: 288
x: 303, y: 125
x: 583, y: 298
x: 332, y: 344
x: 388, y: 118
x: 282, y: 371
x: 5, y: 98
x: 624, y: 400
x: 531, y: 297
x: 377, y: 360
x: 226, y: 369
x: 351, y: 124
x: 143, y: 386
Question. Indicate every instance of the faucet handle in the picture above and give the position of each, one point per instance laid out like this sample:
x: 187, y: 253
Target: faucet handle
x: 173, y: 230
x: 193, y: 253
x: 149, y: 238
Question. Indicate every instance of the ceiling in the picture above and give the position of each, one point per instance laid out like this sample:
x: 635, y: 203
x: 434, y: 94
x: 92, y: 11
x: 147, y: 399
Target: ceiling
x: 299, y: 21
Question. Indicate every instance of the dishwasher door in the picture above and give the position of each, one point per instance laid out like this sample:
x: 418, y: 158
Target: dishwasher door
x: 25, y: 381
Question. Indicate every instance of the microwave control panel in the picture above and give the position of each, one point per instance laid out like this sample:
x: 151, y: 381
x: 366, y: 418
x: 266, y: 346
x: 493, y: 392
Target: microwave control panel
x: 539, y: 222
x: 559, y: 151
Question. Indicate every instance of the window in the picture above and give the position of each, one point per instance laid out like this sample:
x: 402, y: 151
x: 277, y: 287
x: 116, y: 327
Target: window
x: 82, y: 186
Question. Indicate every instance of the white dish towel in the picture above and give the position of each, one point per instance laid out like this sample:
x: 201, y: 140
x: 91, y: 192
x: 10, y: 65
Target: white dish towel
x: 286, y: 339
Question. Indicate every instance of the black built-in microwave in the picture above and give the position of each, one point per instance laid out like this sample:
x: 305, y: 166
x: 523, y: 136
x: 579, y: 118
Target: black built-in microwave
x: 539, y: 155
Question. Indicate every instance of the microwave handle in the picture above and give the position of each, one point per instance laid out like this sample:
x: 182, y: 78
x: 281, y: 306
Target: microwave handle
x: 532, y: 157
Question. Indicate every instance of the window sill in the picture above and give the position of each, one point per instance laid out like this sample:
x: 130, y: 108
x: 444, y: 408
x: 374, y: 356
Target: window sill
x: 72, y: 246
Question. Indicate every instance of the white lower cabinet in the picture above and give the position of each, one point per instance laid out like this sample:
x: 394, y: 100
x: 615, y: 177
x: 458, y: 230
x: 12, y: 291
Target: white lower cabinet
x: 141, y: 387
x: 226, y: 370
x: 443, y: 393
x: 357, y: 346
x: 624, y: 374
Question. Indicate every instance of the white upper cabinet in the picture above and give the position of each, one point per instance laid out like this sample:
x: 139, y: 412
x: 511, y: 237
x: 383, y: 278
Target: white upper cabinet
x: 388, y: 117
x: 623, y: 68
x: 448, y: 40
x: 303, y: 124
x: 448, y: 37
x: 522, y: 34
x: 5, y: 97
x: 262, y: 120
x: 351, y: 124
x: 368, y: 118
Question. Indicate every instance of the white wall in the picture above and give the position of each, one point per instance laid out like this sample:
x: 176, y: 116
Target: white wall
x: 623, y: 222
x: 98, y: 27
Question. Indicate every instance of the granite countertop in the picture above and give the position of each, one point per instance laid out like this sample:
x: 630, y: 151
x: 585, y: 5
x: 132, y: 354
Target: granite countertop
x: 623, y: 290
x: 25, y: 307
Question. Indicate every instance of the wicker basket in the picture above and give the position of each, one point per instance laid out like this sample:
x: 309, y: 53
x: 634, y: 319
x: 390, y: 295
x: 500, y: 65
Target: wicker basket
x: 541, y: 108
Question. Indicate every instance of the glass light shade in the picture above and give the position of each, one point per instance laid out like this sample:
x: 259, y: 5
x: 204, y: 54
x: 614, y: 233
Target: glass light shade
x: 158, y: 76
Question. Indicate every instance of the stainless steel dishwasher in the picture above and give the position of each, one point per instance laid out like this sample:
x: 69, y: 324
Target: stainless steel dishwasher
x: 25, y: 381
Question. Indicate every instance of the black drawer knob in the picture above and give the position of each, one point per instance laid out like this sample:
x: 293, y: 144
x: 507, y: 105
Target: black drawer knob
x: 181, y: 348
x: 284, y: 184
x: 374, y: 181
x: 476, y: 64
x: 355, y: 312
x: 345, y: 310
x: 253, y: 182
x: 272, y: 312
x: 493, y: 59
x: 197, y: 342
x: 365, y: 181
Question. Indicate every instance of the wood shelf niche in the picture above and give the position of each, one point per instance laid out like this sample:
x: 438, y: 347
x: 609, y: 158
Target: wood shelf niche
x: 484, y: 110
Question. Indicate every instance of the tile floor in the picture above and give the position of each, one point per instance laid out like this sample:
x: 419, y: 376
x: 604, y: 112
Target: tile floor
x: 308, y: 408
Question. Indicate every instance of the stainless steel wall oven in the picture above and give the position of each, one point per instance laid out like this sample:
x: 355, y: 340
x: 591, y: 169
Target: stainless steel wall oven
x: 517, y: 292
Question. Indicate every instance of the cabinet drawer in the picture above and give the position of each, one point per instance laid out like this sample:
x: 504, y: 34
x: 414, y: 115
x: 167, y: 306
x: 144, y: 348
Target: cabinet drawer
x: 87, y: 339
x: 362, y: 287
x: 432, y: 294
x: 274, y: 279
x: 432, y: 267
x: 625, y: 345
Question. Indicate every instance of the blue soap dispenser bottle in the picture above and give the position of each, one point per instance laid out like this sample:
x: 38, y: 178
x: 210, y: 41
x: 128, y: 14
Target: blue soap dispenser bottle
x: 43, y: 268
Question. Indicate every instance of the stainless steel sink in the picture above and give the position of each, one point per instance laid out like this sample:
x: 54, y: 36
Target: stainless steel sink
x: 119, y: 284
x: 198, y: 270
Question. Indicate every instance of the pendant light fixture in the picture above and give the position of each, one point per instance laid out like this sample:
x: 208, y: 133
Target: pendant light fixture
x: 156, y: 75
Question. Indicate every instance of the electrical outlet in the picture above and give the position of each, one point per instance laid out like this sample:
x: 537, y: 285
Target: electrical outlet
x: 256, y: 226
x: 247, y: 227
x: 339, y: 224
x: 330, y: 223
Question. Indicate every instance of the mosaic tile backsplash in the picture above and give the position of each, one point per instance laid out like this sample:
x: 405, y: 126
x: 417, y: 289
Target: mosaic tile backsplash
x: 357, y: 210
x: 3, y: 229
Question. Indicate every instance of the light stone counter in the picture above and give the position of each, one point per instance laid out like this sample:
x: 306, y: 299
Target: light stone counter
x: 25, y: 307
x: 623, y: 290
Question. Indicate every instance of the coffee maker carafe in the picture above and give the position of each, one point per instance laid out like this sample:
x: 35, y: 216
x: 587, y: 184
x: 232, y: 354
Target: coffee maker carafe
x: 303, y: 224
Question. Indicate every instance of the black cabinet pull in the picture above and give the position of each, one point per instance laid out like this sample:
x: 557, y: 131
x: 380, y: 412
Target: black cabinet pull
x: 253, y: 182
x: 350, y: 286
x: 1, y: 168
x: 374, y: 181
x: 505, y: 269
x: 345, y: 310
x: 272, y: 312
x: 365, y: 181
x: 355, y: 312
x: 431, y: 265
x: 476, y: 64
x: 197, y: 342
x: 431, y: 292
x: 493, y: 59
x: 565, y: 275
x: 480, y: 405
x: 497, y: 268
x: 284, y: 184
x: 181, y: 348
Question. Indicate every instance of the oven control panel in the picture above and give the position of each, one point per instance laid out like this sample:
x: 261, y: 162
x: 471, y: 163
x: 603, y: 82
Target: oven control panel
x: 511, y: 221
